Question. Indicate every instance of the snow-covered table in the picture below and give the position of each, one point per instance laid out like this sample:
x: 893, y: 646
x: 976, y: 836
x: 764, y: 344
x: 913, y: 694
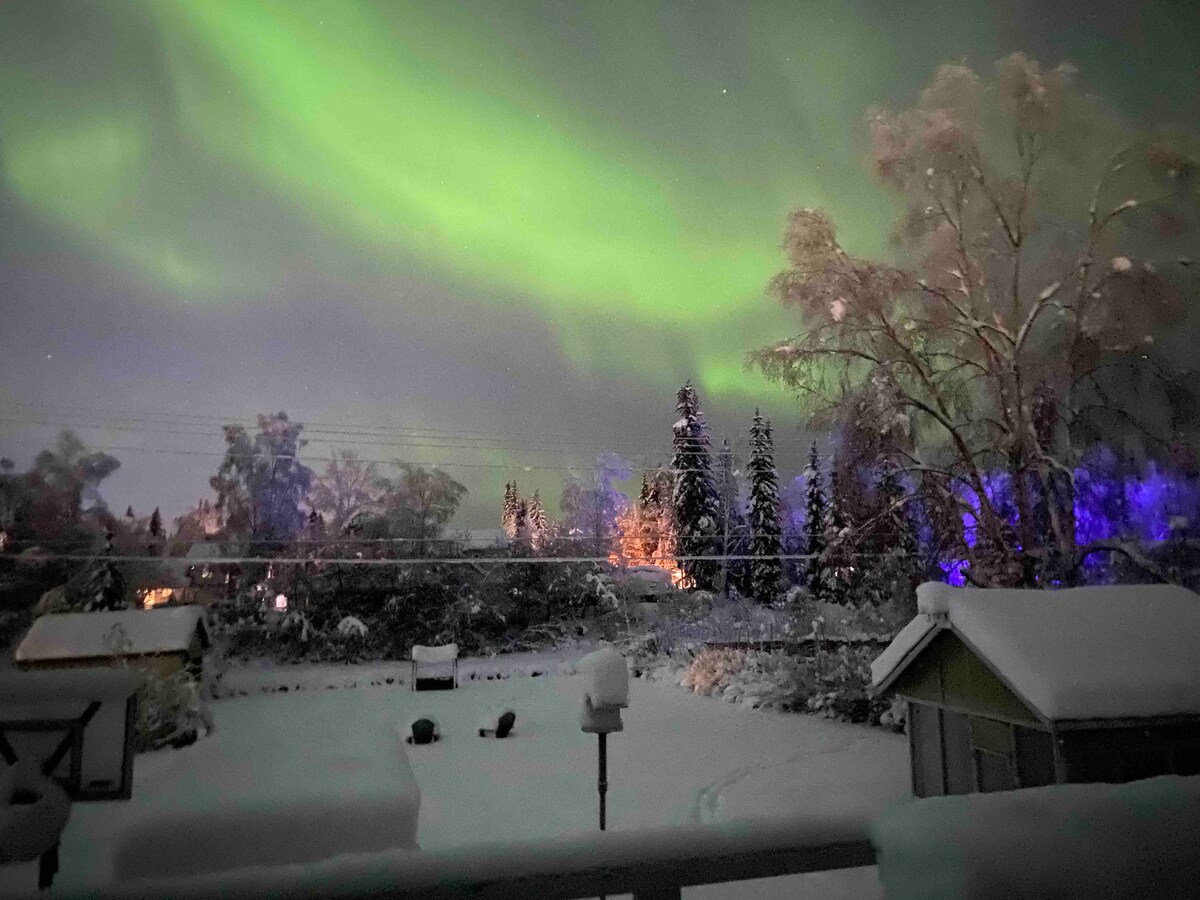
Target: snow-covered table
x: 303, y: 788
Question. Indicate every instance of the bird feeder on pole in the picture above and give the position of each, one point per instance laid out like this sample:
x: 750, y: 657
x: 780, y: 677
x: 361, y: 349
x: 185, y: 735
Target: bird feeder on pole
x: 605, y: 695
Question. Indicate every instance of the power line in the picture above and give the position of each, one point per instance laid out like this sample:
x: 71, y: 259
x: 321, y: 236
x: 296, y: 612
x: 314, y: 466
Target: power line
x: 347, y: 429
x: 447, y: 464
x: 354, y: 440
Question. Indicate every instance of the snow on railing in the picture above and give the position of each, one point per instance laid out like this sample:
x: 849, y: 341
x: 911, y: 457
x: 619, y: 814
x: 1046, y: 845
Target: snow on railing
x: 648, y: 863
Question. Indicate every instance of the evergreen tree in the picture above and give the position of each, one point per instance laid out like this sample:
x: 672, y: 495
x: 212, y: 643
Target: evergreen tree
x: 537, y: 520
x: 734, y: 573
x: 814, y: 525
x: 129, y: 513
x: 101, y: 587
x: 156, y: 528
x: 657, y: 515
x: 695, y: 502
x: 512, y: 502
x: 766, y: 569
x: 521, y: 521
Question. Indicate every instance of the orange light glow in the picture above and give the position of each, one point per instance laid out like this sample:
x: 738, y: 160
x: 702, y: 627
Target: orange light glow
x: 645, y: 543
x: 152, y: 597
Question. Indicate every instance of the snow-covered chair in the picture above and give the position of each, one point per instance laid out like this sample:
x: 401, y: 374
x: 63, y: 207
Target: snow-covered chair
x: 442, y: 660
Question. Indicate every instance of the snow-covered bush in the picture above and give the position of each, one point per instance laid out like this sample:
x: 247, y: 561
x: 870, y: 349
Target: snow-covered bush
x: 712, y: 669
x: 772, y: 679
x: 843, y: 687
x: 171, y: 711
x: 350, y: 626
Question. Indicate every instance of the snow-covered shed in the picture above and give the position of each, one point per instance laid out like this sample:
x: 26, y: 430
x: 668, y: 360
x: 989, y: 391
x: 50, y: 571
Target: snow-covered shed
x: 161, y: 640
x: 1022, y: 688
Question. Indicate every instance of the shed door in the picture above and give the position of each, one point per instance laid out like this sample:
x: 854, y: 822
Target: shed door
x: 925, y: 741
x: 956, y: 740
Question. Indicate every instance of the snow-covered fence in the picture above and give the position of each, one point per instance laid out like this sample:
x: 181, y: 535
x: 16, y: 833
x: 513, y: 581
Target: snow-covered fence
x: 652, y: 864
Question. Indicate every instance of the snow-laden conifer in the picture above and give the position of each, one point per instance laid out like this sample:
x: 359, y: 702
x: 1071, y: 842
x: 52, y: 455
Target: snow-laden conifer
x: 695, y: 501
x: 766, y: 569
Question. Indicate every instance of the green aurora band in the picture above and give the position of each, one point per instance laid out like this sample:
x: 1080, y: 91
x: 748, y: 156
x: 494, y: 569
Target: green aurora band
x: 627, y: 161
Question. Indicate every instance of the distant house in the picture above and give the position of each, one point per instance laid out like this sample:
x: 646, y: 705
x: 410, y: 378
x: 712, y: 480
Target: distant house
x: 194, y: 578
x: 162, y: 641
x: 1008, y: 688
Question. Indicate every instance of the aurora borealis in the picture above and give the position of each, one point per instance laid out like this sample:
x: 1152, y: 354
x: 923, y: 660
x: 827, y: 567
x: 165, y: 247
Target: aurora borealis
x: 519, y: 218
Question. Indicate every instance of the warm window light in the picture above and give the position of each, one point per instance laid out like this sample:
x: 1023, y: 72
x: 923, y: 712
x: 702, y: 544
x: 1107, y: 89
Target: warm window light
x: 280, y: 602
x: 152, y: 597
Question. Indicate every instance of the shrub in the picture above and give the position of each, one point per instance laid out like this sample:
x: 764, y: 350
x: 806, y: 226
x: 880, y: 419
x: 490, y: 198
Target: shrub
x: 711, y: 669
x: 171, y: 711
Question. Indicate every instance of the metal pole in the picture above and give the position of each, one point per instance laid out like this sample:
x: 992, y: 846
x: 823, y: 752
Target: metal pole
x: 603, y: 784
x: 603, y: 774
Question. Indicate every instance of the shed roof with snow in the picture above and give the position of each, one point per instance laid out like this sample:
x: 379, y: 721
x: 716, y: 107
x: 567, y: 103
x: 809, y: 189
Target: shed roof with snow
x: 1090, y: 653
x: 75, y: 636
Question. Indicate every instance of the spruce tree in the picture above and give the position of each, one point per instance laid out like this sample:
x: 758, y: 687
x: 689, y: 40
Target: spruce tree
x: 521, y: 521
x: 102, y: 586
x: 537, y: 521
x: 156, y: 523
x: 766, y: 569
x: 814, y: 525
x: 734, y: 573
x: 695, y: 502
x: 838, y: 567
x: 508, y: 517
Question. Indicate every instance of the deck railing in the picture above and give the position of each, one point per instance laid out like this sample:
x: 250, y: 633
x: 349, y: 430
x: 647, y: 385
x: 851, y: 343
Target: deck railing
x: 651, y: 864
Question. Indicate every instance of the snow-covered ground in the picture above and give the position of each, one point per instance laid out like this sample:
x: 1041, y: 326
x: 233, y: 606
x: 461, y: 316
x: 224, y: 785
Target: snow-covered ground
x: 680, y: 759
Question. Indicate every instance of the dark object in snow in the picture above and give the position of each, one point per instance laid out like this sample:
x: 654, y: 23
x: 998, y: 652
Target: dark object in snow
x: 535, y: 674
x: 390, y: 680
x: 503, y: 727
x: 283, y: 688
x: 424, y: 731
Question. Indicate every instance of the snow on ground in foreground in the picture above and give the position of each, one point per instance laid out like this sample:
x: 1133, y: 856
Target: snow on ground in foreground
x: 681, y: 758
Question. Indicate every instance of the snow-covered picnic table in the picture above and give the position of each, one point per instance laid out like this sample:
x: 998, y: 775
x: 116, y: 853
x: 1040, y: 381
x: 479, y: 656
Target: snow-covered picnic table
x: 297, y: 789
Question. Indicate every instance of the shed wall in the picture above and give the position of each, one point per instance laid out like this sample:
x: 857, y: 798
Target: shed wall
x: 948, y: 674
x: 161, y: 664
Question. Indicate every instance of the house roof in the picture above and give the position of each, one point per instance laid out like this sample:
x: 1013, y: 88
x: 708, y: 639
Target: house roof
x: 1126, y: 651
x: 87, y: 635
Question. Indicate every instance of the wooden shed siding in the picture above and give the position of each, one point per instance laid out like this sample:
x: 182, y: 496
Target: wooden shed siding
x: 948, y: 674
x: 161, y: 664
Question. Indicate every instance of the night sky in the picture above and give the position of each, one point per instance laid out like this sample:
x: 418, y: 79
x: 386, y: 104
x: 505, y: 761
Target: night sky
x: 508, y: 230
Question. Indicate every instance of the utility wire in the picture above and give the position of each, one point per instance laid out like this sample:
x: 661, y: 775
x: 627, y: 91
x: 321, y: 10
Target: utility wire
x: 354, y: 440
x: 447, y: 464
x: 321, y: 430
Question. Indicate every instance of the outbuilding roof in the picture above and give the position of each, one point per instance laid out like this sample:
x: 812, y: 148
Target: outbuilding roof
x: 1125, y: 651
x: 97, y: 634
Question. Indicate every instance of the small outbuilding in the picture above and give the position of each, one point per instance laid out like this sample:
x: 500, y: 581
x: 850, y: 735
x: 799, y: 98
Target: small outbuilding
x: 1020, y: 688
x: 162, y: 641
